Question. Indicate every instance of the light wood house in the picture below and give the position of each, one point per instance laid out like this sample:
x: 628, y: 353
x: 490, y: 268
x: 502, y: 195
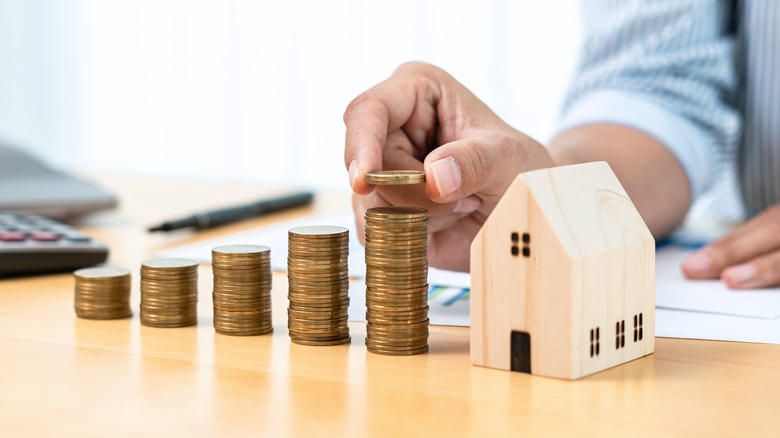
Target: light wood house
x: 563, y: 276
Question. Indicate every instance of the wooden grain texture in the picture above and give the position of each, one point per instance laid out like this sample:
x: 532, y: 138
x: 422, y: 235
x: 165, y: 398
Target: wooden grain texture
x: 587, y: 265
x: 63, y: 376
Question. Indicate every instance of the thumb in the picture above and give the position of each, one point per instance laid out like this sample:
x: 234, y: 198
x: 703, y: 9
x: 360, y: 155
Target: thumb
x: 483, y: 166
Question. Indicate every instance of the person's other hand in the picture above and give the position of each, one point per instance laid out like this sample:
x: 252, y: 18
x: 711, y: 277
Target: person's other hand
x: 746, y: 258
x: 421, y: 118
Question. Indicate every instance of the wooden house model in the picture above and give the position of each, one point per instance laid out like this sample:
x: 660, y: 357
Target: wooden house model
x: 562, y: 276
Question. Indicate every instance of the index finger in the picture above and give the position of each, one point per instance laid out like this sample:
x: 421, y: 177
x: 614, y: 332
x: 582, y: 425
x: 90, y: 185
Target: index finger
x: 369, y: 117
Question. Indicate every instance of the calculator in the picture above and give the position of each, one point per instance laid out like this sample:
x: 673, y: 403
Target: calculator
x: 35, y: 244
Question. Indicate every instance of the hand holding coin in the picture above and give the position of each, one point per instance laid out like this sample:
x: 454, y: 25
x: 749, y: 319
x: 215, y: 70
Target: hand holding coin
x: 422, y: 119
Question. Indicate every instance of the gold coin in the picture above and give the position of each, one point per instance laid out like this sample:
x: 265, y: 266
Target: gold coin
x: 323, y: 304
x: 393, y: 320
x: 398, y: 345
x: 324, y: 295
x: 422, y: 325
x: 240, y: 250
x: 169, y: 263
x: 105, y: 273
x: 104, y: 314
x: 243, y: 324
x: 303, y: 291
x: 411, y: 342
x: 397, y: 213
x: 319, y: 334
x: 246, y: 332
x: 397, y: 296
x: 395, y: 177
x: 228, y: 308
x: 318, y: 231
x: 401, y: 279
x: 319, y: 337
x: 395, y: 352
x: 388, y: 223
x: 346, y: 340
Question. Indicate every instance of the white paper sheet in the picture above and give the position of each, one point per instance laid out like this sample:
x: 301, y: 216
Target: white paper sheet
x: 673, y: 291
x: 707, y: 309
x: 670, y: 323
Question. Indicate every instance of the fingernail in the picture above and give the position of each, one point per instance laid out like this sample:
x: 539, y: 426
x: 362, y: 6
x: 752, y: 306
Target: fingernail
x: 467, y: 205
x: 699, y: 262
x: 447, y: 176
x: 741, y: 274
x: 354, y: 170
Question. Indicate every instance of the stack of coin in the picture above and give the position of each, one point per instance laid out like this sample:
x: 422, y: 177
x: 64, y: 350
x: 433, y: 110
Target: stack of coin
x: 397, y: 280
x: 102, y: 293
x: 319, y: 285
x: 169, y: 292
x: 242, y: 290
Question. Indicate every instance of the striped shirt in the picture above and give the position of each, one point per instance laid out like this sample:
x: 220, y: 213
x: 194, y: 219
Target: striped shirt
x: 700, y: 76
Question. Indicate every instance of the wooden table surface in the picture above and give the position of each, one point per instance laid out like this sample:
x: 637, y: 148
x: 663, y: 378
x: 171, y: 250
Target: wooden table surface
x: 65, y: 376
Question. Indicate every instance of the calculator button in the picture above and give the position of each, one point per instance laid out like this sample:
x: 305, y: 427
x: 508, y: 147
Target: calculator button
x: 76, y: 237
x: 44, y: 236
x: 12, y: 236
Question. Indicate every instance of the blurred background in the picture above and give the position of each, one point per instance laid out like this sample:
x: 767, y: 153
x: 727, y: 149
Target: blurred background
x: 254, y: 91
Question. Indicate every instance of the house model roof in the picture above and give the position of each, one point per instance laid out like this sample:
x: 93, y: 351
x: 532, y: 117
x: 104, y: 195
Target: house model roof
x: 566, y: 196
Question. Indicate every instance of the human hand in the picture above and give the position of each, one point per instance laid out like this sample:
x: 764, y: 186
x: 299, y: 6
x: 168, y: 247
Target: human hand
x: 421, y: 118
x: 746, y: 258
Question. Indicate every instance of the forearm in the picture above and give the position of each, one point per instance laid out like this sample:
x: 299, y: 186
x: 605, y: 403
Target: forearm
x: 652, y: 176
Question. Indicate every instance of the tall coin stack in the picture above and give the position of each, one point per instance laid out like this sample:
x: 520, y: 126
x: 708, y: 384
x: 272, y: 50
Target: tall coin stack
x: 397, y: 280
x: 318, y: 285
x: 102, y: 293
x: 169, y: 292
x: 242, y: 290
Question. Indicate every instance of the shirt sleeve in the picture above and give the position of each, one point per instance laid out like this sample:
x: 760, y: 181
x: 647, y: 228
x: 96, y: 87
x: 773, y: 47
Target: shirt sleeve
x: 664, y: 67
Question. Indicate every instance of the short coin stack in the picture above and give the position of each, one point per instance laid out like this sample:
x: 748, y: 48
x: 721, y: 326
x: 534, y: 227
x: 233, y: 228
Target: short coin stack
x: 169, y: 292
x: 319, y: 285
x: 397, y: 280
x: 242, y: 290
x: 102, y: 293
